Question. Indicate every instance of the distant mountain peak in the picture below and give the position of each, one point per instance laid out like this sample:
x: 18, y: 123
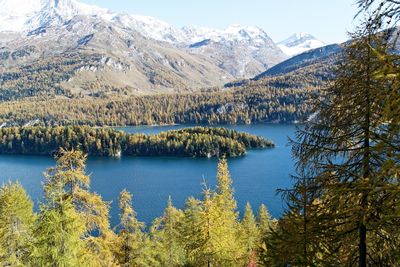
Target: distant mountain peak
x: 244, y: 32
x: 27, y: 16
x: 299, y: 43
x: 23, y: 15
x: 300, y: 35
x: 236, y: 51
x: 297, y: 38
x: 237, y: 28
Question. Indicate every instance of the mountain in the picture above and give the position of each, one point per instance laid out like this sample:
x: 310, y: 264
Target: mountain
x: 241, y: 51
x: 21, y: 15
x: 311, y: 69
x: 70, y: 49
x: 87, y: 55
x: 315, y: 60
x: 299, y: 43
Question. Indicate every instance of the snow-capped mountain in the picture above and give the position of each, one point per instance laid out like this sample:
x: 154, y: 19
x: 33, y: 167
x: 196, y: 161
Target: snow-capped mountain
x: 151, y: 28
x: 241, y: 51
x: 234, y: 32
x: 14, y: 14
x: 299, y: 43
x: 89, y: 45
x: 23, y: 15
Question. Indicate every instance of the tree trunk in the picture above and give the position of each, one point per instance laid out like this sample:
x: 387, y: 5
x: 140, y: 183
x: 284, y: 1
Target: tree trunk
x: 363, y: 238
x: 366, y: 167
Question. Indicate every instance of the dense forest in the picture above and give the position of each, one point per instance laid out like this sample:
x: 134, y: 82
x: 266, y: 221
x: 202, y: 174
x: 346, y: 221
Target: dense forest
x: 42, y: 78
x: 276, y: 99
x: 194, y: 142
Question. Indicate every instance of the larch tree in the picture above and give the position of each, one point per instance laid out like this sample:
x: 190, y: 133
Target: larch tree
x: 265, y: 221
x: 204, y: 252
x: 294, y: 240
x: 58, y: 233
x: 16, y: 225
x: 350, y: 151
x: 380, y: 10
x: 132, y: 242
x: 265, y: 225
x: 250, y: 235
x: 166, y: 237
x: 68, y: 181
x: 191, y: 235
x: 225, y: 230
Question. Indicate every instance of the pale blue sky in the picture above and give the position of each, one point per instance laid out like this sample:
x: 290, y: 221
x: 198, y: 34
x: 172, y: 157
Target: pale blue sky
x: 328, y: 20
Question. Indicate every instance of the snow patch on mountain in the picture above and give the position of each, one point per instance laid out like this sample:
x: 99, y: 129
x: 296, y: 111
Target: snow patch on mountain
x: 13, y: 14
x: 151, y: 28
x: 299, y: 43
x: 23, y: 15
x: 234, y: 32
x: 26, y: 16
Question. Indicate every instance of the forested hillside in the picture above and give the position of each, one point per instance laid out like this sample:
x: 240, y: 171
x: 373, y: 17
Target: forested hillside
x: 283, y: 97
x: 276, y: 99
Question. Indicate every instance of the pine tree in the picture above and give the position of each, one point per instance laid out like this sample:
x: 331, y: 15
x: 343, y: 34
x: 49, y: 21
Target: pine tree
x: 16, y: 223
x: 132, y: 242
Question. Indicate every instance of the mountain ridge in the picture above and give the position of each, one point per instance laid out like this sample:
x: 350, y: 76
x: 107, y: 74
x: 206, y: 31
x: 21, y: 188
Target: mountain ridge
x: 67, y: 48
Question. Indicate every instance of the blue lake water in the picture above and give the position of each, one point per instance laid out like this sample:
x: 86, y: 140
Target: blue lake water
x: 256, y: 176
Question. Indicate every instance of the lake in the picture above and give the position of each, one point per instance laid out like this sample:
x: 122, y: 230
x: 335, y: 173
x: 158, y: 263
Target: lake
x: 256, y: 176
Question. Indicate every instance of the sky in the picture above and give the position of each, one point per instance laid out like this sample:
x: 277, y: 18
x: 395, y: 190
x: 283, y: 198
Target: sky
x: 327, y: 20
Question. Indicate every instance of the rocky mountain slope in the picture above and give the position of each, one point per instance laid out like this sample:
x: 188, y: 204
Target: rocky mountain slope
x: 315, y: 60
x: 87, y: 56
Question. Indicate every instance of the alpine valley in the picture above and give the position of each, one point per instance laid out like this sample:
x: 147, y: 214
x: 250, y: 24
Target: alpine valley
x: 103, y: 68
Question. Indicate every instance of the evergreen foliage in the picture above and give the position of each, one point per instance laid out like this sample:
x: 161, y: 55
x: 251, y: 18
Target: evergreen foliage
x: 195, y: 142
